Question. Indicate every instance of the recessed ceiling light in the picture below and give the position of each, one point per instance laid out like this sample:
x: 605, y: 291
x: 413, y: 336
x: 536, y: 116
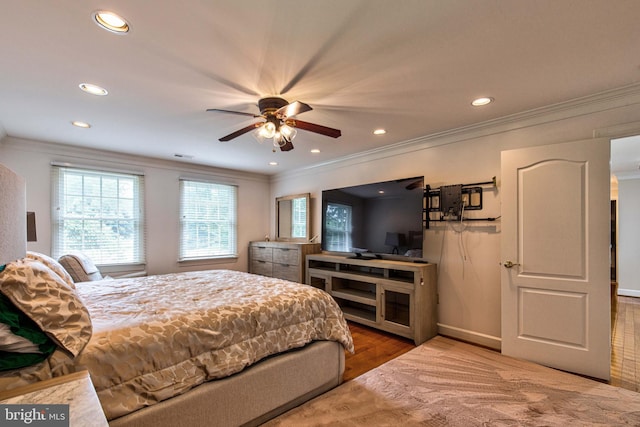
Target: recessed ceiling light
x: 273, y: 163
x: 93, y: 89
x: 479, y: 102
x: 80, y: 124
x: 379, y: 132
x: 315, y: 151
x: 111, y: 22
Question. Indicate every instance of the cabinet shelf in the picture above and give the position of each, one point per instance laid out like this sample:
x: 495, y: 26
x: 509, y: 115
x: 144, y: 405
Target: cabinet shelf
x: 395, y: 296
x: 355, y: 295
x: 367, y: 268
x: 357, y: 313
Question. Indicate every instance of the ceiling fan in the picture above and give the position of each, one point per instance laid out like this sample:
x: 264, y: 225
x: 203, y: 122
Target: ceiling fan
x: 278, y: 123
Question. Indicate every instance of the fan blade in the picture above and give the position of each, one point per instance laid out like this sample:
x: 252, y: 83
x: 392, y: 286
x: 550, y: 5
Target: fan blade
x: 312, y: 127
x: 217, y: 110
x: 288, y: 146
x: 239, y: 132
x: 296, y: 107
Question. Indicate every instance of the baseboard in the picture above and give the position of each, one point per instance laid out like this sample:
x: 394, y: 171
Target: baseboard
x: 470, y: 336
x: 629, y: 292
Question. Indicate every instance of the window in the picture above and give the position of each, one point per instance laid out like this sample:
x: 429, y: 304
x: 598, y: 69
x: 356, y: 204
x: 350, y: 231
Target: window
x: 299, y: 218
x: 98, y: 213
x: 207, y: 220
x: 338, y: 227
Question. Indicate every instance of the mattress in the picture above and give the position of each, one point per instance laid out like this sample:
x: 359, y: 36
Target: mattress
x: 157, y: 337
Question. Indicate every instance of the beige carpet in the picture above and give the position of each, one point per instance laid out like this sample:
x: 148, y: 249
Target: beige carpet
x: 448, y: 383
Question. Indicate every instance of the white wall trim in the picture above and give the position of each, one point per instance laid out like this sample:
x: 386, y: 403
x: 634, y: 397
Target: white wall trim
x: 629, y: 292
x: 604, y: 101
x: 88, y: 157
x: 627, y: 175
x: 470, y: 336
x: 618, y: 131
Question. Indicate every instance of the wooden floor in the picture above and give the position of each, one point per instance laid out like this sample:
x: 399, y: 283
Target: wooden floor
x: 373, y: 347
x: 625, y: 343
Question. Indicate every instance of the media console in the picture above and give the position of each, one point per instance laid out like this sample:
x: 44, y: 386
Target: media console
x: 395, y: 296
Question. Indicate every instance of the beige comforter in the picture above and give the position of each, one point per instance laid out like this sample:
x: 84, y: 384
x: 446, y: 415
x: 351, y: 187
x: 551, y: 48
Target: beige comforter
x: 156, y: 337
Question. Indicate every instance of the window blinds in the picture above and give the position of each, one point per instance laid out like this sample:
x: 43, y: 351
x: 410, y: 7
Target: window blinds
x: 207, y: 220
x: 338, y: 227
x: 98, y: 213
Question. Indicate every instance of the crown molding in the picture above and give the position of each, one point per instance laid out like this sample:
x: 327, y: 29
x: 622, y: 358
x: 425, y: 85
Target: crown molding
x: 627, y: 175
x: 600, y: 102
x: 91, y: 157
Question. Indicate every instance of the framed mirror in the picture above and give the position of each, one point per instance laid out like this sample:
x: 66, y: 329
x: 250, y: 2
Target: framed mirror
x: 292, y: 218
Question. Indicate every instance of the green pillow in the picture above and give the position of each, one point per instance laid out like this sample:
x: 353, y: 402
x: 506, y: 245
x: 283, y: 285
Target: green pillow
x: 21, y: 325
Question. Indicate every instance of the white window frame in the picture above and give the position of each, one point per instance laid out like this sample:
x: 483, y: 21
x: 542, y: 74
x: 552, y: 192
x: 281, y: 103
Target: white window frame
x: 214, y: 220
x: 299, y: 218
x: 96, y: 206
x: 340, y: 239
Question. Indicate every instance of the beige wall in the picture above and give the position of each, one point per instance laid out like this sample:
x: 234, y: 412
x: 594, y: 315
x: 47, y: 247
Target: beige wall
x: 469, y: 270
x: 32, y: 160
x: 629, y: 237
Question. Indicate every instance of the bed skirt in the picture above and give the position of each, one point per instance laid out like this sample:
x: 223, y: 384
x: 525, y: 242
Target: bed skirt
x: 252, y: 396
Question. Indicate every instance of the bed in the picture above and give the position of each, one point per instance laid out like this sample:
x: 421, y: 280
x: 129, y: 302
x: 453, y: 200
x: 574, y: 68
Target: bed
x: 210, y: 348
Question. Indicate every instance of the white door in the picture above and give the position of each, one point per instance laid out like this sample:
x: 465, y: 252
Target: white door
x: 555, y: 256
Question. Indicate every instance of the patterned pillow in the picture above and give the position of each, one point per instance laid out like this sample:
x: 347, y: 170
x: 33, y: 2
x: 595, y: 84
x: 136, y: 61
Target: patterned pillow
x: 53, y: 265
x: 80, y: 267
x: 49, y: 302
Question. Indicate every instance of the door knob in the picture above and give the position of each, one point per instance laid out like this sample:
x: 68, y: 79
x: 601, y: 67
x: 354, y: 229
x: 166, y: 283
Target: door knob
x: 509, y: 264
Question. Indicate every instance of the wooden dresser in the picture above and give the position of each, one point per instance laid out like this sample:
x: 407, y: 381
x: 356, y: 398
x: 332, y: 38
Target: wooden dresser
x: 284, y: 260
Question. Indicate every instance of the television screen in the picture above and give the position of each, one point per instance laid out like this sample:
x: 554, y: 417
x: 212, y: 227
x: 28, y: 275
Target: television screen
x: 379, y: 218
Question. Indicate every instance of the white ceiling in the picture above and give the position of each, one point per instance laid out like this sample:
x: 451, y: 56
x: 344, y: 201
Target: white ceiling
x: 410, y: 66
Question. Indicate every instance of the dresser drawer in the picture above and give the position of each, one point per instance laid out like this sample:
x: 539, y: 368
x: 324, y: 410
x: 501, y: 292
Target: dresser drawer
x: 283, y: 260
x: 285, y: 256
x: 287, y: 272
x: 263, y: 268
x: 261, y: 253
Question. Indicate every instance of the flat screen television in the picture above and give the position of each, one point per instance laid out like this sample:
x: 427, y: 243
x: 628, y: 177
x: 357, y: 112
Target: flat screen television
x: 371, y: 220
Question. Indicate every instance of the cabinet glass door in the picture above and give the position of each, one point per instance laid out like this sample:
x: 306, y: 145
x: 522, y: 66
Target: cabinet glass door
x: 317, y: 281
x: 397, y: 307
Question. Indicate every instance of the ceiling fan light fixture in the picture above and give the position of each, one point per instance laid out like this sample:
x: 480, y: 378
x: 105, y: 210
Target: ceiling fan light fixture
x: 288, y: 132
x: 267, y: 130
x: 111, y: 22
x: 278, y: 140
x: 278, y: 124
